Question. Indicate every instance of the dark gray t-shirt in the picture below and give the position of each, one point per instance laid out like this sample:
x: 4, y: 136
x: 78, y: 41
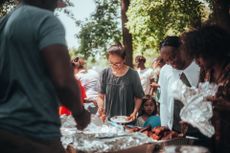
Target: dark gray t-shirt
x: 120, y: 92
x: 28, y: 101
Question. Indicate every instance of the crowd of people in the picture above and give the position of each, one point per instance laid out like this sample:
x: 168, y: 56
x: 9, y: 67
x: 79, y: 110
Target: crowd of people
x: 38, y: 78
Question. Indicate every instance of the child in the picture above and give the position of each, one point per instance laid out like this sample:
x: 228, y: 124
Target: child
x: 148, y: 115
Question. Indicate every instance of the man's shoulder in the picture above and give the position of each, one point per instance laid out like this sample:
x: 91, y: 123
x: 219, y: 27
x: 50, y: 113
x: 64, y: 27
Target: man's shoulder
x: 166, y: 73
x: 34, y: 15
x: 194, y: 65
x: 35, y: 10
x: 166, y: 69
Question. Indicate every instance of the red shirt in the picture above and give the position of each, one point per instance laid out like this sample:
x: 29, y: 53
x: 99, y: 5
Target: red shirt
x: 63, y: 110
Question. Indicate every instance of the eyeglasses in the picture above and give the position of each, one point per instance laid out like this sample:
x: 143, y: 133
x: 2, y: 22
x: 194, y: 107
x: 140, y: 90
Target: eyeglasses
x: 119, y: 64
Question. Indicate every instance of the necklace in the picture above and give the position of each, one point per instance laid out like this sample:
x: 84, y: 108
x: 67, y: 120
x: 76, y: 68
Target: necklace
x: 120, y: 72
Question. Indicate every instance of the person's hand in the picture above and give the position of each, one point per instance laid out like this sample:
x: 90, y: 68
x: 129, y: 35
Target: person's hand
x: 132, y: 116
x: 82, y: 119
x: 212, y: 99
x: 154, y: 86
x: 100, y: 111
x: 101, y: 114
x: 184, y: 128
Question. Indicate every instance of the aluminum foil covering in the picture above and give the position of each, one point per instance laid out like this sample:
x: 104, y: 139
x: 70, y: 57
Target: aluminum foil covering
x: 99, y: 137
x: 197, y: 111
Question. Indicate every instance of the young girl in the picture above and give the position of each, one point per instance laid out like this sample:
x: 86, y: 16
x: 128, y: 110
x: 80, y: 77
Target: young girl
x: 148, y: 115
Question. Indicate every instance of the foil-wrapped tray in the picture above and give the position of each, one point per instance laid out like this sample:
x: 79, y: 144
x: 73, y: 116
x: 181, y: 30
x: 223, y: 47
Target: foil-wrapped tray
x: 99, y: 137
x: 176, y: 141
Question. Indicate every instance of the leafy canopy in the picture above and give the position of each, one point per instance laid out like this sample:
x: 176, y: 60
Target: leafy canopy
x: 101, y: 29
x: 6, y: 6
x: 150, y: 21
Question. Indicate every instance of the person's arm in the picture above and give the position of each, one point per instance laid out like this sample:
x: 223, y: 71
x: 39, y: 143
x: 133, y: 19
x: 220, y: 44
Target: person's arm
x: 223, y: 104
x: 57, y: 62
x: 138, y: 94
x: 100, y: 104
x: 101, y: 95
x: 138, y: 102
x: 154, y: 86
x: 100, y: 101
x: 219, y: 103
x: 164, y: 113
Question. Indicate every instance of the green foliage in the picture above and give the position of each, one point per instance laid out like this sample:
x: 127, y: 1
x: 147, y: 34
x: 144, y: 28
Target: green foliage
x: 150, y: 21
x: 73, y: 53
x: 96, y: 62
x: 6, y: 6
x: 101, y: 29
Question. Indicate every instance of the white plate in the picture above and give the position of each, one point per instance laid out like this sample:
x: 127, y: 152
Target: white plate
x: 120, y: 119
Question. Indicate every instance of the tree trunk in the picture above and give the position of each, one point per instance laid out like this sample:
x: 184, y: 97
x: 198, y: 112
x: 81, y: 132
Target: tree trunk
x: 221, y: 13
x: 127, y: 37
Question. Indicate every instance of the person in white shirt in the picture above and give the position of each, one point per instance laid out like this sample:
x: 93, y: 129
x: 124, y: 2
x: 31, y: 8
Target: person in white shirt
x: 177, y: 62
x: 145, y: 74
x: 165, y: 100
x: 90, y: 79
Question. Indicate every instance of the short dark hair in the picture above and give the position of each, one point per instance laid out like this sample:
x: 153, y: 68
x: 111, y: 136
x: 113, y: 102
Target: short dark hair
x: 118, y: 50
x: 78, y: 63
x: 209, y: 41
x: 140, y: 58
x: 173, y: 41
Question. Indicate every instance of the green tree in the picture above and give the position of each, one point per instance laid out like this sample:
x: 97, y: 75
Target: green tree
x: 126, y: 35
x: 6, y: 6
x: 101, y: 29
x: 150, y: 21
x: 221, y: 13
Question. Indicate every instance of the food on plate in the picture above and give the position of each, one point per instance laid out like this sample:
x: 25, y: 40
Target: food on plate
x: 163, y: 133
x: 157, y: 133
x: 147, y: 128
x: 120, y: 119
x: 155, y: 137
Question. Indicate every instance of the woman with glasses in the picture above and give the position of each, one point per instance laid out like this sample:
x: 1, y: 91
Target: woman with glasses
x: 121, y: 91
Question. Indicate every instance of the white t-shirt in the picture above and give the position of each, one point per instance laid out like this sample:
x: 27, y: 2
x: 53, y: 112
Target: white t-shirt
x: 90, y: 80
x: 145, y: 76
x: 168, y: 75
